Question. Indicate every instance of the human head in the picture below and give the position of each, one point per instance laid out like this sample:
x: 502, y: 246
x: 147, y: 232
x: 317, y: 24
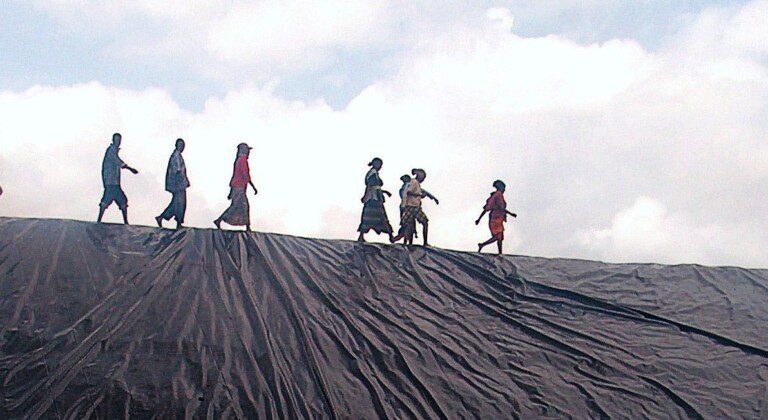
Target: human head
x: 499, y: 185
x: 420, y: 174
x: 243, y: 149
x: 180, y: 145
x: 376, y: 163
x: 405, y: 178
x: 116, y: 139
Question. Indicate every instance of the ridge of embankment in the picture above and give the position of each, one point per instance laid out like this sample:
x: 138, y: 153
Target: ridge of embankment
x: 112, y: 321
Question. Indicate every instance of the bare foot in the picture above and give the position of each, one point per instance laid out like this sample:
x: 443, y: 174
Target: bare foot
x: 217, y: 222
x: 159, y: 221
x: 179, y: 226
x: 479, y: 247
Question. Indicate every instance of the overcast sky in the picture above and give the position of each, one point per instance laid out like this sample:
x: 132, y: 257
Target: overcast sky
x: 625, y: 130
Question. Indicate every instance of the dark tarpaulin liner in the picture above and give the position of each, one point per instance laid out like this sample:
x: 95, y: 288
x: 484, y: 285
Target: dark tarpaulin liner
x: 109, y: 321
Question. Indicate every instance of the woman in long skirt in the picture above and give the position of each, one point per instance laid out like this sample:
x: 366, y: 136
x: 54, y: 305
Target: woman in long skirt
x: 239, y: 211
x: 374, y: 215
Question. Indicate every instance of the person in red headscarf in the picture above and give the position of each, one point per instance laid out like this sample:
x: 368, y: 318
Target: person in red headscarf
x: 497, y: 207
x: 239, y: 211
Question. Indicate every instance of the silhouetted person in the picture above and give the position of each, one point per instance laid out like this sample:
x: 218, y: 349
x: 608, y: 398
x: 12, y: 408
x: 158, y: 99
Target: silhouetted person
x: 497, y: 207
x: 176, y: 183
x: 239, y: 211
x: 412, y: 211
x: 374, y: 215
x: 110, y: 176
x: 404, y: 231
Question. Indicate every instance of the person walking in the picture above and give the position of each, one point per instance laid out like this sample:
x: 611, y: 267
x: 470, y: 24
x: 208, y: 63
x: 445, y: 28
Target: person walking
x: 176, y: 183
x: 497, y: 207
x: 404, y: 231
x: 412, y: 211
x: 374, y: 215
x: 110, y: 177
x: 239, y: 211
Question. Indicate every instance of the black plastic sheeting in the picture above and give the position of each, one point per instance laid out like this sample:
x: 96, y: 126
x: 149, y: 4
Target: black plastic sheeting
x: 110, y: 321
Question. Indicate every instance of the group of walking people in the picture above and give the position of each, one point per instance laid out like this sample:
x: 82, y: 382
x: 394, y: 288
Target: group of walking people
x: 374, y: 215
x: 176, y: 183
x: 375, y: 218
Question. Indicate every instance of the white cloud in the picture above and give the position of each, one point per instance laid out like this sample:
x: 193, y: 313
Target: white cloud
x: 647, y: 231
x: 295, y: 33
x: 264, y: 37
x: 501, y: 15
x: 578, y: 132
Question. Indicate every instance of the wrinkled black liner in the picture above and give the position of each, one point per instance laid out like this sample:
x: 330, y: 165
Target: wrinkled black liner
x: 110, y: 321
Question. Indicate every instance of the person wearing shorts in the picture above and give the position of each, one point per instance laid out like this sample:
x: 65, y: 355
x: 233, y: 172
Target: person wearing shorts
x: 110, y: 177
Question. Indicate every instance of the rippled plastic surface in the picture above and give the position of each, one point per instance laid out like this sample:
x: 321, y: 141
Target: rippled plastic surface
x: 112, y: 322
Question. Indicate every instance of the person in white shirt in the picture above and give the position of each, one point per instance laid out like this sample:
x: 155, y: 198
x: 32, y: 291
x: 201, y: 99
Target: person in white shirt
x: 408, y: 239
x: 411, y: 210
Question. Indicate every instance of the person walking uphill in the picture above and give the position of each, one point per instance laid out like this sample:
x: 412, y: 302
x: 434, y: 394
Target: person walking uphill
x: 497, y: 207
x: 110, y: 176
x: 239, y: 212
x: 176, y: 183
x: 374, y: 215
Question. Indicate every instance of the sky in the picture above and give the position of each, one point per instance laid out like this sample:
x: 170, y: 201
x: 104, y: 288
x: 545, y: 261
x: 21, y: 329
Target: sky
x: 626, y: 131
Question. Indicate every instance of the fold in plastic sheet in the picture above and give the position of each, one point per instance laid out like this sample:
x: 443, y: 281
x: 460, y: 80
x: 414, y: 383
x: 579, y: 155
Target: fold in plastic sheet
x: 112, y: 321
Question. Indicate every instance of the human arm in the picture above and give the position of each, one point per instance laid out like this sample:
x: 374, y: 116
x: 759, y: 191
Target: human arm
x: 255, y: 191
x: 387, y: 193
x: 425, y: 193
x: 510, y: 213
x: 477, y: 222
x: 120, y: 163
x: 125, y: 166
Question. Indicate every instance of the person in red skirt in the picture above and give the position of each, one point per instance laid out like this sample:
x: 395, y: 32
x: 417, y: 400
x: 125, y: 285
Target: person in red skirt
x: 497, y: 207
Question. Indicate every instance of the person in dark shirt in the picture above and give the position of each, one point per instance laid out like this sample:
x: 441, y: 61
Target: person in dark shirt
x: 110, y: 177
x: 374, y: 216
x: 176, y: 183
x: 497, y: 206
